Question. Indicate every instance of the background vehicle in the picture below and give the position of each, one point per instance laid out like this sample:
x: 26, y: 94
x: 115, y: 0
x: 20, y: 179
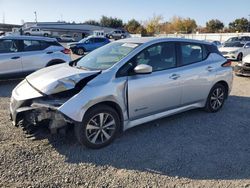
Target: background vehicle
x: 243, y: 68
x: 66, y: 38
x: 116, y: 34
x: 124, y: 84
x: 88, y: 44
x: 238, y: 39
x: 37, y: 32
x: 20, y: 55
x: 235, y: 50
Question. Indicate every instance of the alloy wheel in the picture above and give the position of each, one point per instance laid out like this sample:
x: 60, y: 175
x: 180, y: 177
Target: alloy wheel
x: 217, y: 98
x: 100, y: 128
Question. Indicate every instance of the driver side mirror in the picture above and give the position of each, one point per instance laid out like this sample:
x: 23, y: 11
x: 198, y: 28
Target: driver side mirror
x: 143, y: 69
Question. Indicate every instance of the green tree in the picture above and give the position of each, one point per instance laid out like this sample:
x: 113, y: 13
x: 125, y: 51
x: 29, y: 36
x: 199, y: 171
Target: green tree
x: 111, y: 22
x: 153, y: 25
x: 214, y: 26
x: 132, y: 26
x: 239, y: 25
x: 92, y: 22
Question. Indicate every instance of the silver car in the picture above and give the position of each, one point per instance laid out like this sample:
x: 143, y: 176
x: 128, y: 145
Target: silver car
x: 121, y: 85
x: 21, y: 55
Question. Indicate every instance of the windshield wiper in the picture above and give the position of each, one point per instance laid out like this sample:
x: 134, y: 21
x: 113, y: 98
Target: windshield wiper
x: 81, y: 67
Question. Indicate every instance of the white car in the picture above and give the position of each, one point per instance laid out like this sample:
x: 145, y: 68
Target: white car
x: 67, y: 38
x: 235, y: 50
x: 37, y: 32
x: 21, y: 55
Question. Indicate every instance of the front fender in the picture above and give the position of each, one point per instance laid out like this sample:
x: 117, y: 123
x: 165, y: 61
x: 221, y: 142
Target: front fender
x: 90, y: 95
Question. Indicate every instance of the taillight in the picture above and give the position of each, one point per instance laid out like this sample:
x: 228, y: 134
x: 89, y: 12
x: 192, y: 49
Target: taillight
x: 227, y: 64
x: 66, y: 51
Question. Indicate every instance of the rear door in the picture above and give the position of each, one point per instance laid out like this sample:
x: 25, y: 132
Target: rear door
x: 198, y: 72
x: 159, y: 91
x: 10, y: 57
x: 34, y: 55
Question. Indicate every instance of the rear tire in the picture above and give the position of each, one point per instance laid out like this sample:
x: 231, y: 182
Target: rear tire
x: 80, y: 51
x: 99, y: 127
x: 216, y: 98
x: 46, y: 34
x: 27, y: 34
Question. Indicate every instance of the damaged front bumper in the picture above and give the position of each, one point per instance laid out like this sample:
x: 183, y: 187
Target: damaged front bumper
x: 242, y: 69
x: 32, y: 111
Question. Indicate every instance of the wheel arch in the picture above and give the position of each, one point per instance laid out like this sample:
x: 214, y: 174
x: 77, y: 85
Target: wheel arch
x: 113, y: 105
x: 54, y: 62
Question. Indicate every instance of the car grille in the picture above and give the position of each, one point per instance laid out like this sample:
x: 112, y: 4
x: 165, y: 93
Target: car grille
x: 224, y: 53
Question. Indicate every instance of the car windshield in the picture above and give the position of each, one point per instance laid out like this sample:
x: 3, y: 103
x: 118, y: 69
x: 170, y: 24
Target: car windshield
x: 232, y: 39
x: 105, y: 57
x: 234, y: 44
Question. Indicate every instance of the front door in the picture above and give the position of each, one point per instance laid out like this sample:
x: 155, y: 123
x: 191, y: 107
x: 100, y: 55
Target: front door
x: 10, y: 57
x: 159, y: 91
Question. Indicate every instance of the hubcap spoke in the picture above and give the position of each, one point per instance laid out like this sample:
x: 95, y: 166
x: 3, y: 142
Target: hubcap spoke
x: 91, y: 127
x: 101, y: 116
x: 109, y: 124
x: 93, y: 140
x: 106, y: 134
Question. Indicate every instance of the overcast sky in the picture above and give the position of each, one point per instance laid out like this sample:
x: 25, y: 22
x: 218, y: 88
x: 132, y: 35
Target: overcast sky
x: 14, y: 11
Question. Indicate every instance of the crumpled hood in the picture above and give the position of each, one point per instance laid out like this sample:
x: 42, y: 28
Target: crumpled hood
x: 57, y: 78
x: 228, y: 49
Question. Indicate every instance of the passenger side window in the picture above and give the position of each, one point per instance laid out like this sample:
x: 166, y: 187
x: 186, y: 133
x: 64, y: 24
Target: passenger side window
x: 191, y: 53
x: 160, y: 57
x: 8, y: 46
x: 34, y: 45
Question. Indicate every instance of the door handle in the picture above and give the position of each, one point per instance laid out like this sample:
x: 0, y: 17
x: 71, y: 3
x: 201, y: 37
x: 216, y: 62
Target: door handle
x: 209, y: 68
x: 175, y: 76
x: 15, y: 57
x: 49, y: 52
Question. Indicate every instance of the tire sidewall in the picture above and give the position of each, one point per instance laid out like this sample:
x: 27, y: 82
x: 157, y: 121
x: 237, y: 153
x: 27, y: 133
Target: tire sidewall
x: 80, y: 128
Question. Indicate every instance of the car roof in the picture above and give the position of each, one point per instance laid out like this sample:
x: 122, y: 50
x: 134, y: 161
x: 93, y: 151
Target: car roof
x: 22, y: 37
x: 142, y: 40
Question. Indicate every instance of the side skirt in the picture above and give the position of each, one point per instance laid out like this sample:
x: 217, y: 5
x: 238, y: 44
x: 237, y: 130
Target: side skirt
x: 129, y: 124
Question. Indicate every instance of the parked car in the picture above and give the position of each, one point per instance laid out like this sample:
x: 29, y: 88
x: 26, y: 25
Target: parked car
x: 235, y: 50
x: 37, y: 32
x: 88, y: 44
x: 238, y: 39
x: 66, y: 38
x: 116, y: 34
x: 21, y: 55
x: 243, y: 68
x: 121, y: 85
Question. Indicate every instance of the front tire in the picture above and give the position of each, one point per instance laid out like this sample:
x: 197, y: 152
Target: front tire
x: 99, y: 127
x: 240, y: 57
x: 216, y: 98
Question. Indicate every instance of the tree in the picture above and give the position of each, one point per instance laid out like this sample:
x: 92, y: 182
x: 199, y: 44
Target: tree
x: 214, y: 26
x: 111, y: 22
x: 239, y: 25
x: 153, y: 25
x: 179, y: 25
x: 132, y: 26
x: 92, y: 22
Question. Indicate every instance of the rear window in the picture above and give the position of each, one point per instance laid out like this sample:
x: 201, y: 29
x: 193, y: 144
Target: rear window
x: 36, y: 45
x: 192, y: 53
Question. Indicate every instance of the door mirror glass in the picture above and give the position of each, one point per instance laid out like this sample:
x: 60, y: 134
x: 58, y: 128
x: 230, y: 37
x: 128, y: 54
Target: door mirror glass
x: 143, y: 69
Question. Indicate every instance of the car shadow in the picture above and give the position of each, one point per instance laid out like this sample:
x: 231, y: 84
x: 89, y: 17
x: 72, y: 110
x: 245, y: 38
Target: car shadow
x: 194, y: 144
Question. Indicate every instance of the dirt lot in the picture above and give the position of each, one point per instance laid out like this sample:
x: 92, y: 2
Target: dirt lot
x: 192, y: 149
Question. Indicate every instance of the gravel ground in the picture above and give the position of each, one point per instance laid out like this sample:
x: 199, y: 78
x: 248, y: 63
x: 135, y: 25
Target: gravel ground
x: 192, y: 149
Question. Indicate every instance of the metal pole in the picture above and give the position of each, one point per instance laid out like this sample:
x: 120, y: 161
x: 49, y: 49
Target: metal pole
x: 35, y: 16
